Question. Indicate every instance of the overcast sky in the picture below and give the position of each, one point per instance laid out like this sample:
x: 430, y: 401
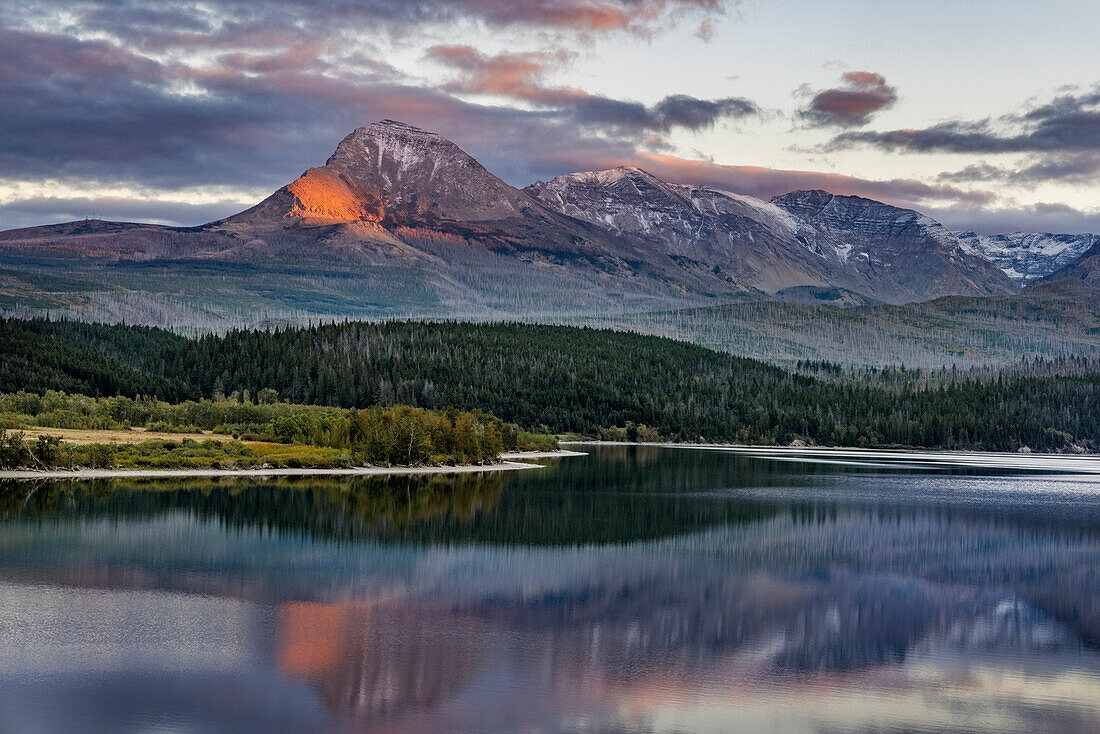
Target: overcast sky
x: 982, y: 113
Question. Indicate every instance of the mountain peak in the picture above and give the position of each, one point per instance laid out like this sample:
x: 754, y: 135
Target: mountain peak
x: 613, y: 175
x: 405, y: 143
x: 638, y: 181
x: 1027, y: 256
x: 393, y: 172
x: 804, y: 199
x: 393, y: 129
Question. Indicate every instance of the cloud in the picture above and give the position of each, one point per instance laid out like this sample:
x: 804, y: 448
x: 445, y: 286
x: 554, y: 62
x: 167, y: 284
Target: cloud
x: 245, y: 95
x: 1070, y: 168
x: 767, y: 182
x: 855, y: 102
x: 514, y: 75
x: 36, y: 210
x: 254, y: 121
x: 1069, y: 123
x: 522, y: 77
x: 1041, y: 217
x: 135, y: 20
x: 706, y: 30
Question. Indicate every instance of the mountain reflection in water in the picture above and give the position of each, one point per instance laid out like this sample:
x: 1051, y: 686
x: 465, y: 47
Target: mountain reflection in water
x: 635, y: 589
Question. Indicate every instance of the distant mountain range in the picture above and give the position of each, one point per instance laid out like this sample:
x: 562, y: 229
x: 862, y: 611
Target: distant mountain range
x: 400, y: 221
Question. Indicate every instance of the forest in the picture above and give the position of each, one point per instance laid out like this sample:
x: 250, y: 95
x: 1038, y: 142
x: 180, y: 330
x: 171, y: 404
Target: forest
x: 568, y: 380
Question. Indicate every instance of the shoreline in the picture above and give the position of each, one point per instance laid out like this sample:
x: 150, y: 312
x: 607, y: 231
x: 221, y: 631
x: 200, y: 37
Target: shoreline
x: 809, y: 449
x: 945, y: 458
x: 509, y: 461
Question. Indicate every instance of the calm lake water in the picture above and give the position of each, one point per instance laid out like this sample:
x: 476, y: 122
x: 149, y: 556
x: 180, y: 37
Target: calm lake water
x: 636, y: 589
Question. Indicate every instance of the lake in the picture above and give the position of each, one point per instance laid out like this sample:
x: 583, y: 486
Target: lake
x: 635, y: 589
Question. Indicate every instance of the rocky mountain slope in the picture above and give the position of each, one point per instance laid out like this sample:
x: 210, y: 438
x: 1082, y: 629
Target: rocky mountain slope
x: 1085, y: 270
x: 399, y: 207
x: 902, y: 254
x: 744, y: 240
x: 1027, y: 256
x: 803, y: 240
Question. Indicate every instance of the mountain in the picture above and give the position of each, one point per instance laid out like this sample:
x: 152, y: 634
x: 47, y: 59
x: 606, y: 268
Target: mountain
x: 400, y: 221
x: 1027, y: 256
x: 902, y: 254
x: 806, y: 245
x: 1085, y: 270
x: 747, y: 241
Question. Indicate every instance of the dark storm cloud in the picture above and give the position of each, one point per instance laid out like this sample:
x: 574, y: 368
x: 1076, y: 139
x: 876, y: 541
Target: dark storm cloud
x: 855, y: 102
x: 681, y: 110
x: 522, y: 77
x: 1069, y: 123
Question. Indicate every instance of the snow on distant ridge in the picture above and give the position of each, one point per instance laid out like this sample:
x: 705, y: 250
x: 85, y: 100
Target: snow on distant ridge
x: 1027, y: 256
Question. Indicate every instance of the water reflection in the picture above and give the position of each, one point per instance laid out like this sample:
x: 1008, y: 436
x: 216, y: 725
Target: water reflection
x: 632, y: 590
x: 347, y: 508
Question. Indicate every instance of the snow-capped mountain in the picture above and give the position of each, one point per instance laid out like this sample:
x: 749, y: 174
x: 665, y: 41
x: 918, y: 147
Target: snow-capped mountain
x: 805, y: 239
x: 741, y: 239
x: 405, y: 221
x: 1028, y: 256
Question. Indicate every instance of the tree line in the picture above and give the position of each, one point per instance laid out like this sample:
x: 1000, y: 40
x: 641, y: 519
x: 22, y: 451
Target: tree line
x: 565, y: 380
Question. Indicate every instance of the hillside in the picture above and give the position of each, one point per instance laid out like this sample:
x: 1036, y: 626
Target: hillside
x: 574, y: 380
x: 1050, y: 320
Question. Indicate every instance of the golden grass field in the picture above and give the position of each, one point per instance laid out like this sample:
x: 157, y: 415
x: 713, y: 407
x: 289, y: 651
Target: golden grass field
x: 80, y: 436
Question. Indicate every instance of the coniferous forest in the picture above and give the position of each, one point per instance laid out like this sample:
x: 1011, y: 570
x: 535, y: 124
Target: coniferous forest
x: 567, y: 380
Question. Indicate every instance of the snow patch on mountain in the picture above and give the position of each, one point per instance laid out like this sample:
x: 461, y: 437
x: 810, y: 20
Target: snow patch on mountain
x: 1027, y: 256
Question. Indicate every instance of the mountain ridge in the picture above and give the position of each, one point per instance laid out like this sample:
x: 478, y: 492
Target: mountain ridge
x: 400, y: 220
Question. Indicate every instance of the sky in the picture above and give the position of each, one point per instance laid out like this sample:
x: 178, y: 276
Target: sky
x: 983, y: 114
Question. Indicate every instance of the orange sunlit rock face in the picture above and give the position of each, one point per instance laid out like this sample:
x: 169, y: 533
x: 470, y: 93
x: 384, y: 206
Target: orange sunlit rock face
x: 320, y: 194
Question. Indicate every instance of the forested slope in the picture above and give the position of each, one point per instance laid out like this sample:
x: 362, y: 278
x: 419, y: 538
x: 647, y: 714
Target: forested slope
x: 1050, y: 320
x: 565, y: 379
